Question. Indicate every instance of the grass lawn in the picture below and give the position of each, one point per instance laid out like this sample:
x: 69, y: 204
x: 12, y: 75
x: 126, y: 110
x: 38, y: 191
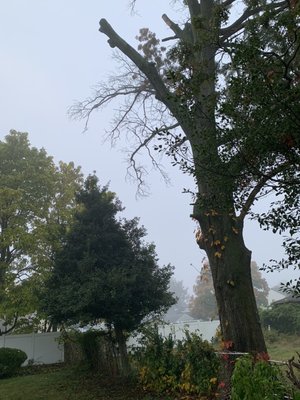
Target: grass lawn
x: 62, y: 383
x: 284, y: 347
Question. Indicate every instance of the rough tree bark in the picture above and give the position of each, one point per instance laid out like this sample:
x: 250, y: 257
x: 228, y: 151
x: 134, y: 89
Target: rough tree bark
x: 221, y: 234
x: 121, y: 340
x: 222, y: 239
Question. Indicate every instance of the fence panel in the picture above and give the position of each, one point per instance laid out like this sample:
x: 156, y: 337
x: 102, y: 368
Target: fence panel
x: 41, y: 348
x: 207, y: 329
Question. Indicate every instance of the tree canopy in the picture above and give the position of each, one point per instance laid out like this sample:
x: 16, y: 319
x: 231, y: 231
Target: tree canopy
x: 181, y: 305
x: 36, y: 203
x: 105, y: 271
x: 261, y: 105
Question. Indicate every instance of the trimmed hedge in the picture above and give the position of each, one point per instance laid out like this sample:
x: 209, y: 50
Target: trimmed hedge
x: 10, y: 361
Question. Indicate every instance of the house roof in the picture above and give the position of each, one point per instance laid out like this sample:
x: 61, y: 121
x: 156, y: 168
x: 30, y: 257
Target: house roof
x: 287, y: 300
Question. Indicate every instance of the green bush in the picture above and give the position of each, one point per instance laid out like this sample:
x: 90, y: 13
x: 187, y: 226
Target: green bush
x: 189, y: 366
x: 256, y: 380
x: 296, y: 396
x: 284, y: 318
x: 10, y: 361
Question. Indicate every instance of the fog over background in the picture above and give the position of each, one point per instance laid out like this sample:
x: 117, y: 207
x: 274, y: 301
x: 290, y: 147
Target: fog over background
x: 52, y: 55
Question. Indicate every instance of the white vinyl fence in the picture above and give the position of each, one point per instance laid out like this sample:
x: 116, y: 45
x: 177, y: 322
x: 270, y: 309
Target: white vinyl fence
x: 45, y: 348
x: 207, y: 329
x: 41, y: 348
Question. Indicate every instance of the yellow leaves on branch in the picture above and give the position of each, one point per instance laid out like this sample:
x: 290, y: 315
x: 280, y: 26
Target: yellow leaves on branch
x: 218, y: 254
x: 219, y: 247
x: 230, y: 282
x: 211, y: 213
x: 199, y: 236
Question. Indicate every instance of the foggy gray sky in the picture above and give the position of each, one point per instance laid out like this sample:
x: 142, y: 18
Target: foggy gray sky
x: 51, y: 55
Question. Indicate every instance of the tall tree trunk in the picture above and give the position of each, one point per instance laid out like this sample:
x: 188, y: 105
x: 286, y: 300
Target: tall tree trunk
x: 121, y: 340
x: 221, y: 231
x: 230, y: 262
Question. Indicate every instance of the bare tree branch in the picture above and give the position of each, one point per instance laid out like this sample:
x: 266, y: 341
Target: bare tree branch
x: 132, y: 5
x: 139, y: 170
x: 131, y: 84
x: 143, y: 140
x: 228, y: 3
x: 147, y: 68
x: 174, y: 27
x: 153, y: 134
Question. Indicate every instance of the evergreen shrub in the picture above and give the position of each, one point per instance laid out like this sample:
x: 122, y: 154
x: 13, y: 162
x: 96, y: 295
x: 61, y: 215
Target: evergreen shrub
x: 10, y: 361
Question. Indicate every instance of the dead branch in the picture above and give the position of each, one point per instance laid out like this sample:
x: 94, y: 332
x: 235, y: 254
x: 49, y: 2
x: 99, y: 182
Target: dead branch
x: 141, y: 115
x: 228, y: 3
x: 148, y: 69
x: 291, y: 373
x: 174, y: 27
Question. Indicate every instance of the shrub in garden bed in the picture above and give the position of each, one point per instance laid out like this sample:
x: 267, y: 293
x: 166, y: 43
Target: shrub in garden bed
x: 257, y: 379
x: 10, y: 361
x: 189, y: 366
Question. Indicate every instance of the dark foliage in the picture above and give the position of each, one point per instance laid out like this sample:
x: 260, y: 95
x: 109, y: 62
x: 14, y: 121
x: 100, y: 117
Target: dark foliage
x: 284, y: 318
x: 10, y: 361
x: 105, y: 271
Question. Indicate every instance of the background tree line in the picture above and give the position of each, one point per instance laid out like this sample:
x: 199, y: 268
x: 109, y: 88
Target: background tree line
x: 203, y: 304
x: 36, y: 206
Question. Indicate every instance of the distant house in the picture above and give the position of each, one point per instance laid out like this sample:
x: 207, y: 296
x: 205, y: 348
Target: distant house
x: 184, y: 318
x: 175, y: 315
x: 275, y: 294
x: 288, y: 300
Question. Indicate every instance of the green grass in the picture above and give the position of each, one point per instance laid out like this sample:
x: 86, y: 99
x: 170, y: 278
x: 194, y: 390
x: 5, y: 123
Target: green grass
x: 283, y: 347
x: 62, y: 383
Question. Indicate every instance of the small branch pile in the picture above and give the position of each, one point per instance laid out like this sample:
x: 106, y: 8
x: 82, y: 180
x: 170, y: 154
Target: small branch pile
x: 293, y: 372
